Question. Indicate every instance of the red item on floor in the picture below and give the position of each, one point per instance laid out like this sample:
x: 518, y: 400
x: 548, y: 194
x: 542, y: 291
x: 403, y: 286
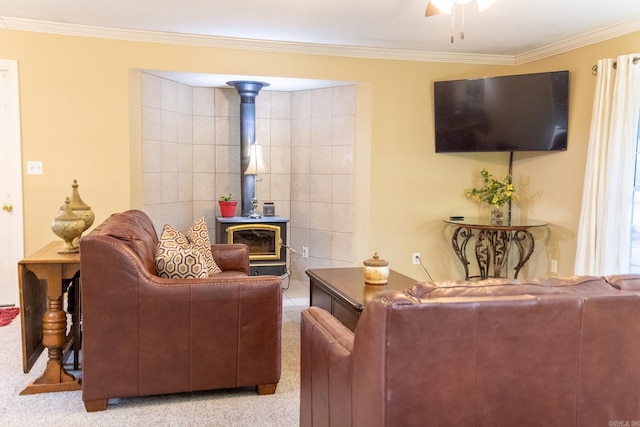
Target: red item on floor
x: 8, y: 314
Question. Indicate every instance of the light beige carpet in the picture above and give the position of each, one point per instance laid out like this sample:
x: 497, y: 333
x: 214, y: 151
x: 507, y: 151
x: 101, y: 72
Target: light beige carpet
x: 212, y: 408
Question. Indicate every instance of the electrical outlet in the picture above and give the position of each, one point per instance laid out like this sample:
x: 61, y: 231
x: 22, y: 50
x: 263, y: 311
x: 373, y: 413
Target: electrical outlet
x: 416, y: 258
x: 554, y: 266
x: 305, y: 252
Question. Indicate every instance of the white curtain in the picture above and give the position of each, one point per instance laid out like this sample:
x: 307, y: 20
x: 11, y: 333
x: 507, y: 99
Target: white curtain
x: 604, y: 232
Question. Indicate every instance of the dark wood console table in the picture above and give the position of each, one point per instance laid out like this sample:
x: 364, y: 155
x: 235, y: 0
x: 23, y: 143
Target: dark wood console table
x: 493, y: 244
x: 343, y: 292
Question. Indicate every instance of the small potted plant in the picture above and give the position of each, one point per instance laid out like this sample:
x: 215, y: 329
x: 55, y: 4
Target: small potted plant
x: 227, y: 206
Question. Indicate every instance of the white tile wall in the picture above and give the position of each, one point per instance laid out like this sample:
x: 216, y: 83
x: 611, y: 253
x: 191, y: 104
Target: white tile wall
x: 204, y: 130
x: 322, y: 102
x: 281, y: 105
x: 185, y: 158
x: 322, y: 140
x: 301, y: 132
x: 227, y: 103
x: 191, y: 156
x: 169, y: 126
x: 185, y: 99
x: 168, y: 95
x: 151, y: 123
x: 301, y: 105
x: 185, y: 128
x: 263, y: 105
x: 151, y: 90
x: 151, y: 156
x: 203, y: 101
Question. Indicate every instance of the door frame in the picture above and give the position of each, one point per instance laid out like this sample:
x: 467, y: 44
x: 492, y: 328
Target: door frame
x: 14, y: 151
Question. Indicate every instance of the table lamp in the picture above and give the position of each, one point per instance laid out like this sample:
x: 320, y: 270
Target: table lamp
x: 256, y: 166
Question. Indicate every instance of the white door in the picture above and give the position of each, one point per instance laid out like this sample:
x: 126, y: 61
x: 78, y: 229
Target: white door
x: 11, y: 231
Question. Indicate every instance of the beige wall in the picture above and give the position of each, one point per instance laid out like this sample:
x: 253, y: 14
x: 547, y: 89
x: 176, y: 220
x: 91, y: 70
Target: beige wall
x: 77, y: 119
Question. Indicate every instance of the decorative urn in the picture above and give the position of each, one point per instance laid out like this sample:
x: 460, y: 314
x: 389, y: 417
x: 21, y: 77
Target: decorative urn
x: 376, y: 270
x: 68, y: 226
x: 80, y: 208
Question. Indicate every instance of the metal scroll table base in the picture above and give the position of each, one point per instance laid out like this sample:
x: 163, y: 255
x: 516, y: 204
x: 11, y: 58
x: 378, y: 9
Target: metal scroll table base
x: 492, y: 249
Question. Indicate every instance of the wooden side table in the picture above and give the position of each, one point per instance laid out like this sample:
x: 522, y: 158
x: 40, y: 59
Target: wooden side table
x: 43, y: 320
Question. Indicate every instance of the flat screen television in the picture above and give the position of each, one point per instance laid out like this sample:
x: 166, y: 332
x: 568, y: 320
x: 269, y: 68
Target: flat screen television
x: 526, y: 112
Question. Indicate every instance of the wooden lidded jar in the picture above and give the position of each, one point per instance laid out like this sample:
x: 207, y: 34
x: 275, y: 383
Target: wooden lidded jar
x: 376, y: 270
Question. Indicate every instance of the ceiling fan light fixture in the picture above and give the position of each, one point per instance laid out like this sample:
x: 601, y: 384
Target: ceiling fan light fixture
x: 446, y: 6
x: 484, y: 4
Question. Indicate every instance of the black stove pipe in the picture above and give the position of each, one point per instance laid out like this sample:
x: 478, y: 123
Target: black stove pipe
x: 248, y: 90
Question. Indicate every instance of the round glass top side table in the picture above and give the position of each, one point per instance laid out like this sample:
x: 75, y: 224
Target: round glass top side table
x: 493, y: 244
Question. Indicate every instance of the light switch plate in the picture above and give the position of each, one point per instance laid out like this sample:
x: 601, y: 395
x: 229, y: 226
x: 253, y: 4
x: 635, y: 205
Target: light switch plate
x: 34, y: 167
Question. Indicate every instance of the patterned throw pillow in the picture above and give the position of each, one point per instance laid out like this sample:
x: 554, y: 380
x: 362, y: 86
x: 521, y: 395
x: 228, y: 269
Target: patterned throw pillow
x: 184, y: 257
x: 198, y: 235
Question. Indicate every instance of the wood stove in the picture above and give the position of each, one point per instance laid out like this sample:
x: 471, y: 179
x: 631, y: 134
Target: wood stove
x: 265, y: 238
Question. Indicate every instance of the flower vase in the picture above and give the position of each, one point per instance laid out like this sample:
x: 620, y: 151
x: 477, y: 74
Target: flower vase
x: 497, y: 216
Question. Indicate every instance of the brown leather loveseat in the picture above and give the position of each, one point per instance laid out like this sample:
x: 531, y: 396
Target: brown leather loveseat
x: 146, y: 335
x: 548, y: 352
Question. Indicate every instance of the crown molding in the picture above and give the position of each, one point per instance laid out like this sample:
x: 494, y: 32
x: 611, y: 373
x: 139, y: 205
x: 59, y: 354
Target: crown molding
x: 249, y: 44
x: 11, y: 23
x: 583, y: 40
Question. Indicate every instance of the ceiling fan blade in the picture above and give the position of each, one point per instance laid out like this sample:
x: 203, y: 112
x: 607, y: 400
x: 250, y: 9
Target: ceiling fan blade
x: 431, y: 10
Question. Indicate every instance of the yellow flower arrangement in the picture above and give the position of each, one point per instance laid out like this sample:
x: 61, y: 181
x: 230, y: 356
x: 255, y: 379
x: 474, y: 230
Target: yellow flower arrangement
x: 496, y: 192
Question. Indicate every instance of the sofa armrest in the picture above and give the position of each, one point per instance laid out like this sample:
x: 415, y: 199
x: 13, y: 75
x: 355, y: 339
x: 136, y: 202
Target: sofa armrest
x: 231, y: 257
x: 325, y: 369
x: 624, y: 282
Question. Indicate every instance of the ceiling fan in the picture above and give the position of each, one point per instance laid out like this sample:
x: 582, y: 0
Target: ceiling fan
x: 435, y: 7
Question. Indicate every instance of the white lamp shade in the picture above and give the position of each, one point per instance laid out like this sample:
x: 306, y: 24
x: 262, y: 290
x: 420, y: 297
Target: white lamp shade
x: 256, y: 161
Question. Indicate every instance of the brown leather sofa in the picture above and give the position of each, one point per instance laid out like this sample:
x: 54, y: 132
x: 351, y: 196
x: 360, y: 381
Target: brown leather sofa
x: 548, y: 352
x: 146, y: 335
